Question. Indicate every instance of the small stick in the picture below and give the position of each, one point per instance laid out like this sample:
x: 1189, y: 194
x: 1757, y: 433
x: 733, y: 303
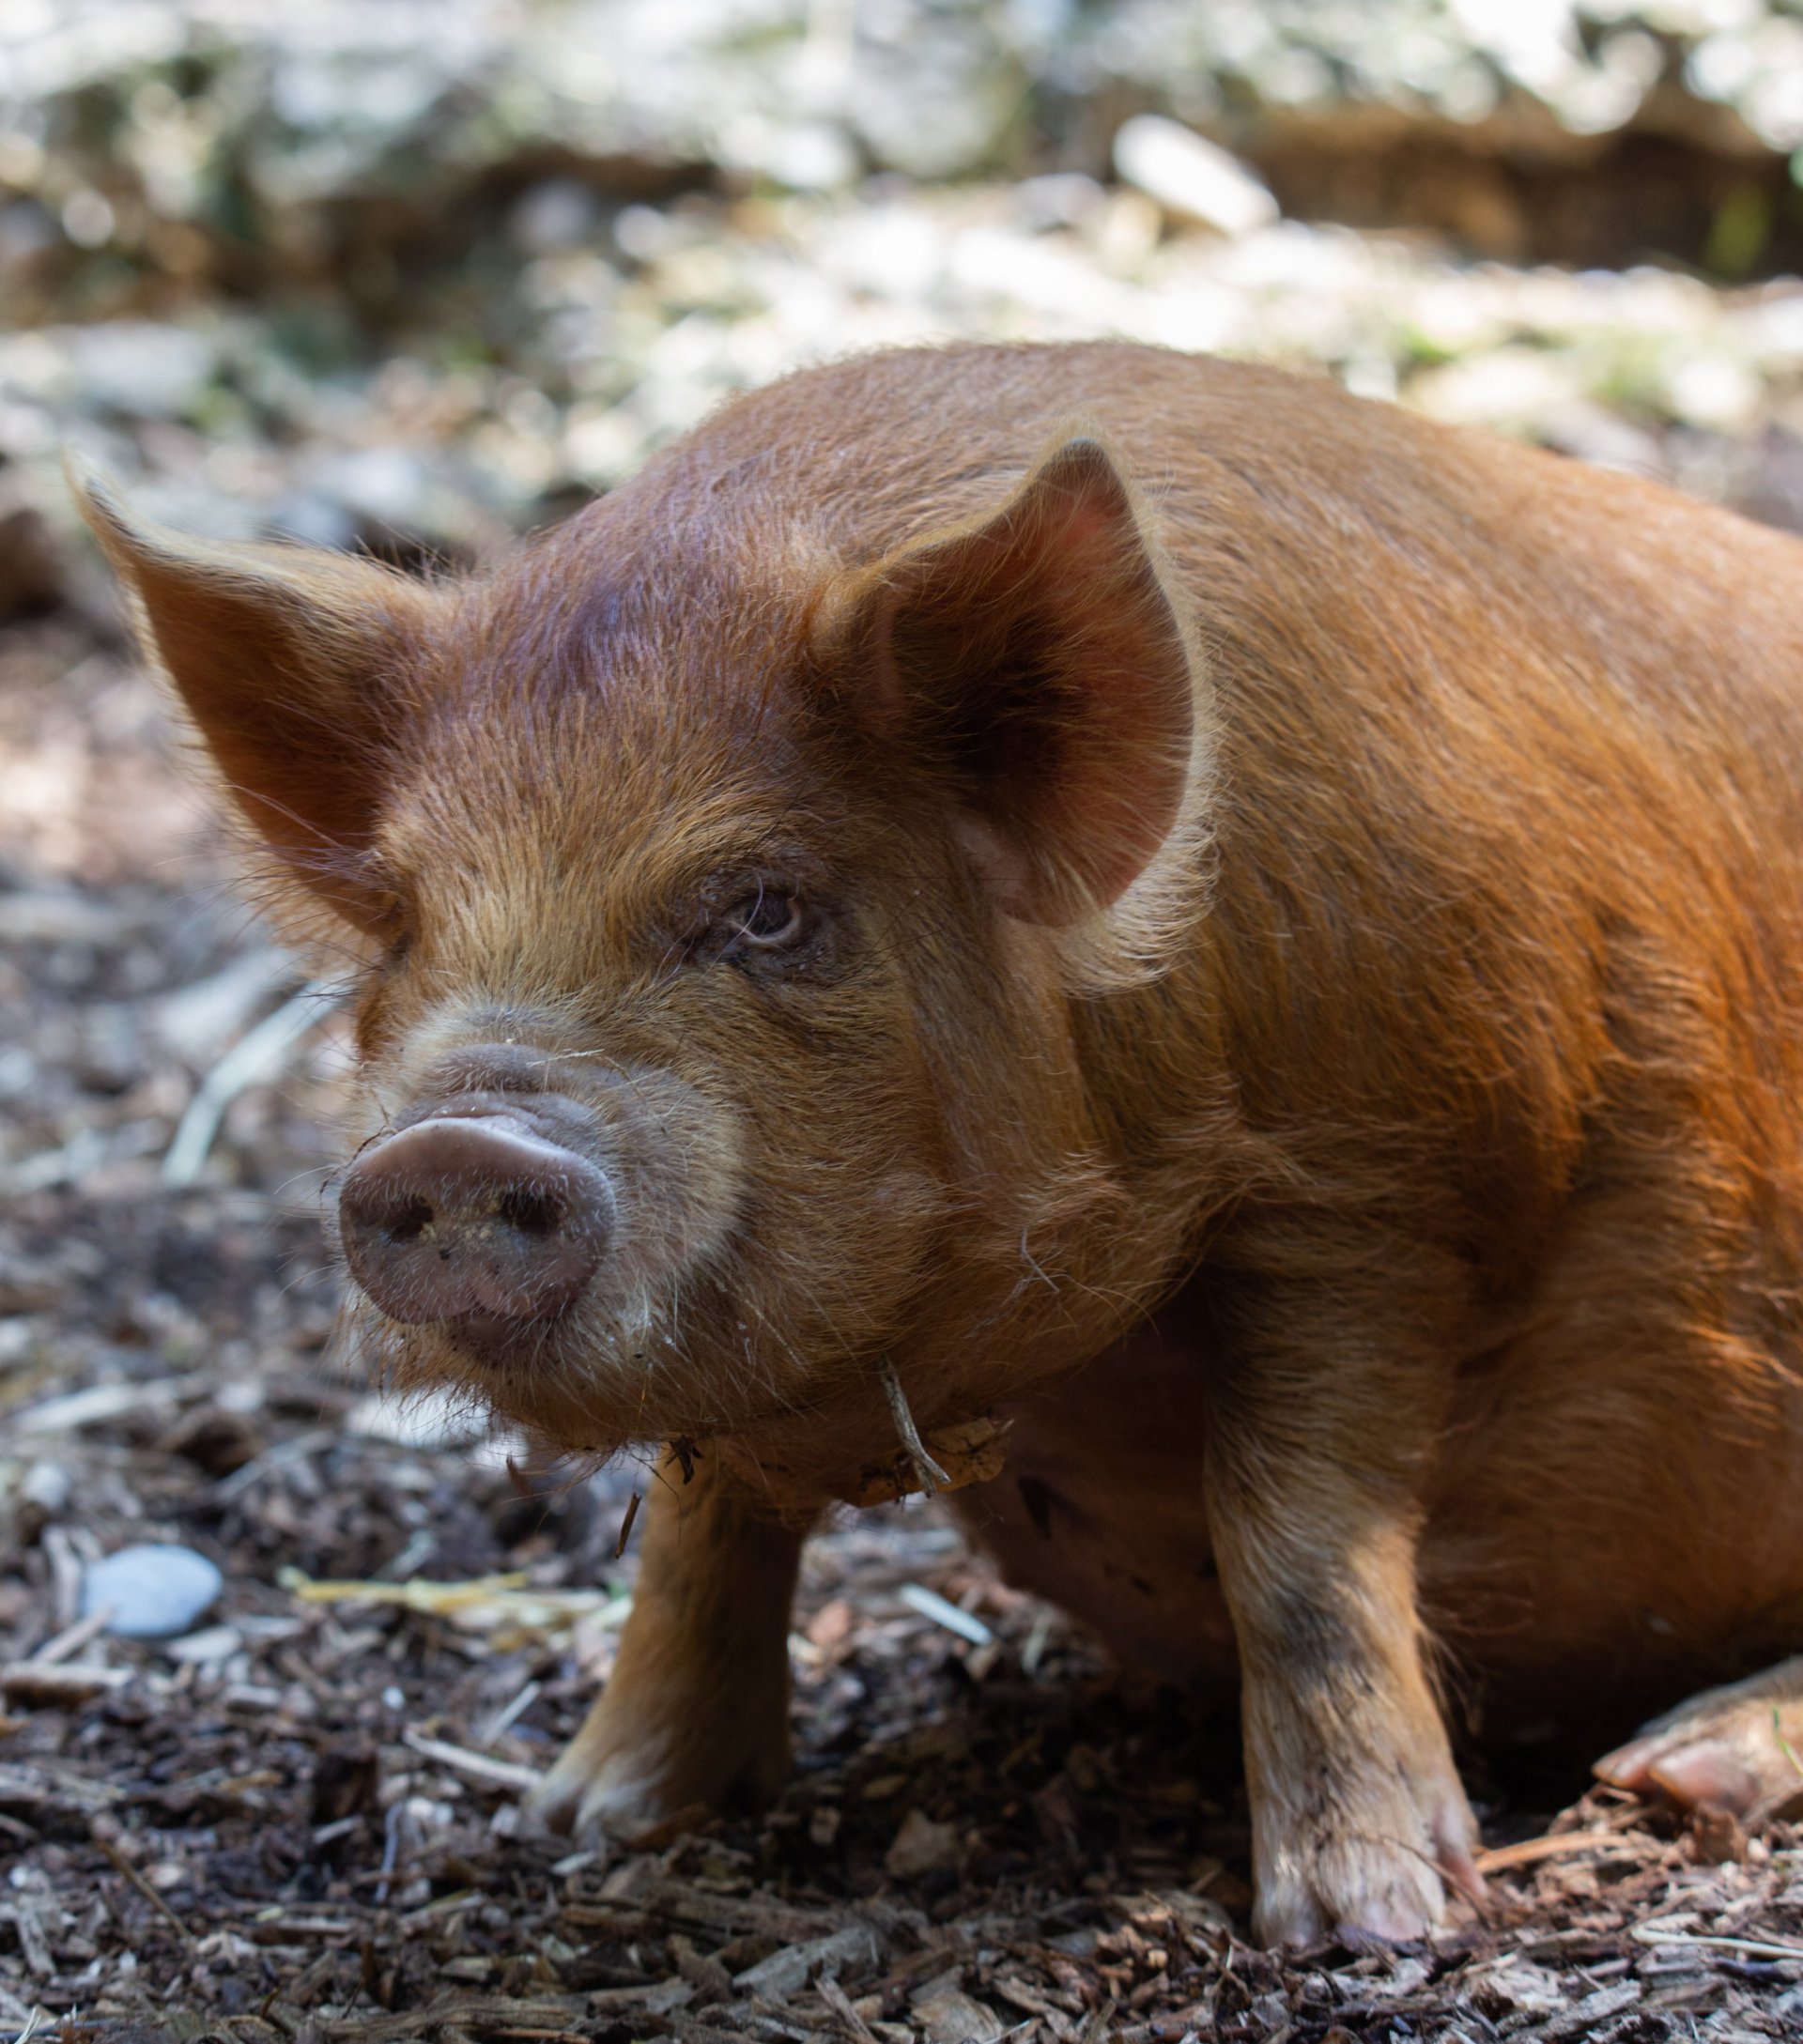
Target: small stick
x: 840, y: 2003
x: 509, y: 1774
x: 145, y: 1889
x: 933, y: 1478
x: 256, y: 1056
x: 625, y: 1526
x: 75, y: 1636
x: 60, y: 1686
x: 1754, y: 1947
x: 523, y: 1700
x: 394, y: 1825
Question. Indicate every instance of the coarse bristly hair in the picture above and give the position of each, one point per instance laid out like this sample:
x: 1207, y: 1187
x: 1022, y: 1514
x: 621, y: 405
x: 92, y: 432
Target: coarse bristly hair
x: 1293, y: 992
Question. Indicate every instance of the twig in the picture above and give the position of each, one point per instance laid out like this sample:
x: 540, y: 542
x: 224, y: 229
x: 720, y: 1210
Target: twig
x: 58, y: 1685
x: 1095, y: 2026
x: 507, y: 1774
x: 253, y: 1472
x: 836, y: 1998
x: 625, y: 1526
x: 255, y: 1056
x: 1530, y: 1852
x: 71, y: 1638
x: 930, y: 1603
x: 933, y: 1478
x: 125, y: 1866
x: 394, y: 1825
x: 1756, y: 1947
x: 523, y: 1700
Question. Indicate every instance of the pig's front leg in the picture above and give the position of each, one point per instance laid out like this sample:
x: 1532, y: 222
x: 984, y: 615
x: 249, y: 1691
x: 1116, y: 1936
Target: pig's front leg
x: 1359, y: 1819
x: 697, y: 1709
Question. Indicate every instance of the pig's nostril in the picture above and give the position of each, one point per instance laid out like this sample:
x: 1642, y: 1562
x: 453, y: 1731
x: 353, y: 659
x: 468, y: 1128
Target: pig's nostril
x: 530, y: 1212
x: 409, y: 1221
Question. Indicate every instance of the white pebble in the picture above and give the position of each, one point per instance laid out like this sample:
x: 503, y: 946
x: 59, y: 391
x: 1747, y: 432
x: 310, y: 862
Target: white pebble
x: 154, y: 1592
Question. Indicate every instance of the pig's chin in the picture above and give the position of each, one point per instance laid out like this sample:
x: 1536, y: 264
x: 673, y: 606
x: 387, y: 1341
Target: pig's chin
x: 589, y: 1380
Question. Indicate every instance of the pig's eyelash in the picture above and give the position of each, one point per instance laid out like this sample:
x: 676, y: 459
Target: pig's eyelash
x: 771, y: 917
x: 769, y: 921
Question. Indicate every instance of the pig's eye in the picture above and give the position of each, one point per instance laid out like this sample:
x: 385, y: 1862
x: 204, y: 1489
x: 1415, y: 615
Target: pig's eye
x: 772, y: 925
x: 769, y: 919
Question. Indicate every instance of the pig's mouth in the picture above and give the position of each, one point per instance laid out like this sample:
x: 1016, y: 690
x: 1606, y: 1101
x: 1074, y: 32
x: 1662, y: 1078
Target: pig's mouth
x: 559, y: 1255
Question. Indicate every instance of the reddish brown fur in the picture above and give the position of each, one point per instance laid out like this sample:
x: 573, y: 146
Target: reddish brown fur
x: 1413, y: 1025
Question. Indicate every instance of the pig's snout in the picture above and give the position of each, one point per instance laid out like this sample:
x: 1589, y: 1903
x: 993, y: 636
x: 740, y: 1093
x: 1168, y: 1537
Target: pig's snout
x: 465, y: 1216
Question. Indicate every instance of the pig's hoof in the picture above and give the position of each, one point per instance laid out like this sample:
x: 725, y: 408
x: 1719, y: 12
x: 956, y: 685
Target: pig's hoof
x: 1736, y: 1748
x: 1379, y: 1864
x: 615, y: 1780
x: 619, y: 1795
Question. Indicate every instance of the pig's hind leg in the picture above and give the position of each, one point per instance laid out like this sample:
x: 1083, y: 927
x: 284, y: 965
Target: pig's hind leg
x: 695, y: 1711
x: 1739, y: 1747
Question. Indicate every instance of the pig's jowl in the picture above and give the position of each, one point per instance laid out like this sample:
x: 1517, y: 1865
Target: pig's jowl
x: 1231, y: 956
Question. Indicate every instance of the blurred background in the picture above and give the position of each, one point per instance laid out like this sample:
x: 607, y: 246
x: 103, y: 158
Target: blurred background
x: 418, y: 272
x: 415, y: 276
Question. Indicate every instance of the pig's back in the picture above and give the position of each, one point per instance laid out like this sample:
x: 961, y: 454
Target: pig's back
x: 1342, y: 557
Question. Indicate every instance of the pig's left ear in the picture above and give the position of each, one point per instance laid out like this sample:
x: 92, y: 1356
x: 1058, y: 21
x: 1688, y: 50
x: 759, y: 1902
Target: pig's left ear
x: 1037, y: 665
x: 289, y: 660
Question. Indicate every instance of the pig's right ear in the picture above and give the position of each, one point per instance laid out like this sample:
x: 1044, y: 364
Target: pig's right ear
x: 1036, y: 664
x: 289, y: 659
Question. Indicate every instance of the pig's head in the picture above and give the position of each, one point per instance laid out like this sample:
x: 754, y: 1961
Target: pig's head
x: 720, y: 885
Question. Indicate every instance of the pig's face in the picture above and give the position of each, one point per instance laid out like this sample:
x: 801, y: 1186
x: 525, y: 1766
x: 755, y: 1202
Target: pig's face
x: 644, y: 1063
x: 719, y: 906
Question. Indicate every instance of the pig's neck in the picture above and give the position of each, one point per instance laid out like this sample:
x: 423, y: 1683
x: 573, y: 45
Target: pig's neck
x: 1089, y: 1206
x: 1084, y: 1199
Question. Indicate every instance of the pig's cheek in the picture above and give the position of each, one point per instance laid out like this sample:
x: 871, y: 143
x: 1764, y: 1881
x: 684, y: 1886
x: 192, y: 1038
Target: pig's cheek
x: 676, y: 1161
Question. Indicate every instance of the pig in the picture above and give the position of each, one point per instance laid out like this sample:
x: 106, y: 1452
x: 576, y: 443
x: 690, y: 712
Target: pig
x: 1212, y: 961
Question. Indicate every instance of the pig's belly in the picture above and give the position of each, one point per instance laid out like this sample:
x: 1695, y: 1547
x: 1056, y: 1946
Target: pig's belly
x: 1101, y: 1512
x: 1576, y: 1543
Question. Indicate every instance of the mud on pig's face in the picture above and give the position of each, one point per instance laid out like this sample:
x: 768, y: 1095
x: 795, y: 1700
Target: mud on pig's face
x: 708, y: 907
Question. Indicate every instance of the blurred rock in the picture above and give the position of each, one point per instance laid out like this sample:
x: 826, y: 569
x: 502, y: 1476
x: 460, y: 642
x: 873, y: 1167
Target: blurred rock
x: 1189, y: 177
x: 154, y: 1592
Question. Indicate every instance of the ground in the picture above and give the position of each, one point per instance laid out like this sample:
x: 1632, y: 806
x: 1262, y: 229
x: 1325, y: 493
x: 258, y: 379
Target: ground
x: 299, y: 1820
x: 319, y: 275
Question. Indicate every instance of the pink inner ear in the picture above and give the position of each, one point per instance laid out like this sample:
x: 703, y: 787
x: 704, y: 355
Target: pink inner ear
x: 284, y: 678
x: 1036, y: 660
x: 1077, y: 527
x: 1119, y: 691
